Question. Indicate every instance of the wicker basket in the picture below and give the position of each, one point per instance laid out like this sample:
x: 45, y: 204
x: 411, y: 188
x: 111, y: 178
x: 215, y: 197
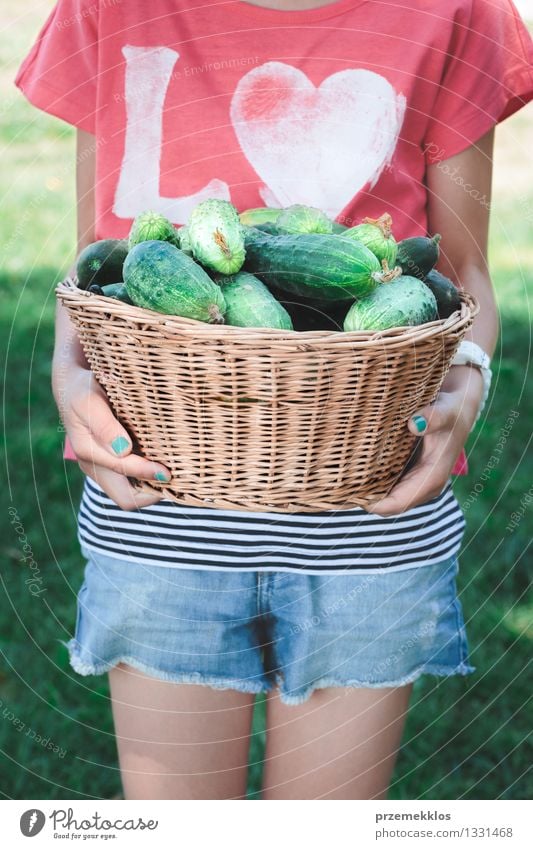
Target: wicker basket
x: 265, y: 419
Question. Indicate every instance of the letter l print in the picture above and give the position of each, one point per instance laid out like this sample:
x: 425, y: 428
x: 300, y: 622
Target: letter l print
x: 148, y: 73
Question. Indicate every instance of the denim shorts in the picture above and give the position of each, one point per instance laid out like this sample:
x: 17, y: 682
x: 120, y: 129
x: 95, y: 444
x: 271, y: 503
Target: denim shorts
x: 254, y: 631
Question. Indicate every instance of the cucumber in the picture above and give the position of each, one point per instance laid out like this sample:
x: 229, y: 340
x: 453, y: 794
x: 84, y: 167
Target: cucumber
x: 309, y: 315
x: 215, y: 236
x: 183, y: 239
x: 418, y: 255
x: 268, y: 227
x: 259, y: 215
x: 152, y: 225
x: 118, y: 291
x: 376, y: 234
x: 111, y: 290
x: 339, y: 228
x: 160, y: 277
x: 101, y: 262
x: 313, y: 265
x: 303, y: 219
x: 250, y: 304
x: 446, y: 294
x: 404, y: 302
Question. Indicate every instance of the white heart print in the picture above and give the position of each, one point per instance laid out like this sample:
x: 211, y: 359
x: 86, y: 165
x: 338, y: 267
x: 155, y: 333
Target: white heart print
x: 316, y: 146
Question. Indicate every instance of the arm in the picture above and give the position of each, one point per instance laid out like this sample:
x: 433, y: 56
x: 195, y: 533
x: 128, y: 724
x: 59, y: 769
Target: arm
x: 82, y: 403
x: 65, y: 335
x: 457, y: 213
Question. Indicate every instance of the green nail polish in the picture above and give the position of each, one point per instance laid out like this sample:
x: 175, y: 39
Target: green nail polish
x: 119, y: 444
x: 162, y: 476
x: 420, y: 423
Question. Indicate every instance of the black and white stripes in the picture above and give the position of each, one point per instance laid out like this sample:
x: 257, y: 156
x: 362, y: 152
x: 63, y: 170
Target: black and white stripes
x: 168, y: 534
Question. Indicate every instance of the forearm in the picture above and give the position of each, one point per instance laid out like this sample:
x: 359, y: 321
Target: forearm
x: 463, y: 223
x: 68, y: 354
x: 484, y: 330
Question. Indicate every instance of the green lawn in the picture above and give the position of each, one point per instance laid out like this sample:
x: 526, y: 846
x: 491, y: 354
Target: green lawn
x: 465, y: 738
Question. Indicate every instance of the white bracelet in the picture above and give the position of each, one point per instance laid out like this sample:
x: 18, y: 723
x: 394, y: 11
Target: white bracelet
x: 470, y: 354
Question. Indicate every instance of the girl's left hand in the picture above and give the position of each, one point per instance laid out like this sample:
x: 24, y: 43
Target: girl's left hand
x: 444, y: 426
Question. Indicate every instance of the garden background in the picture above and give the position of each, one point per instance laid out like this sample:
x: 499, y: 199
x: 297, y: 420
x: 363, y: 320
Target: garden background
x: 465, y: 737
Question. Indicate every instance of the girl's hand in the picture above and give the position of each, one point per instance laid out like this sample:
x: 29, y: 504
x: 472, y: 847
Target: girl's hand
x: 444, y: 426
x: 101, y: 444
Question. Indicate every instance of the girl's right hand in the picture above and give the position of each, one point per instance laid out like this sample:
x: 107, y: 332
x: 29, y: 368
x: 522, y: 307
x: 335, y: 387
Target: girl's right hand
x: 102, y: 446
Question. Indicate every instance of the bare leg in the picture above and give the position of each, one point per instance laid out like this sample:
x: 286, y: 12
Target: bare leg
x: 340, y: 744
x: 179, y: 741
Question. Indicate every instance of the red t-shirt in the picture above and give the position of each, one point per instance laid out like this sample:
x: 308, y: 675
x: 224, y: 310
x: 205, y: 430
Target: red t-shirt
x: 340, y: 107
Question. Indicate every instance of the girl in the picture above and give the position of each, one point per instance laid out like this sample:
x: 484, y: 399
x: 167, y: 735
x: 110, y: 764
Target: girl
x: 353, y: 107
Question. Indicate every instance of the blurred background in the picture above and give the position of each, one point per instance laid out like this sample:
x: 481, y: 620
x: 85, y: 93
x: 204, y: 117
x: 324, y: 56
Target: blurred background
x: 465, y: 738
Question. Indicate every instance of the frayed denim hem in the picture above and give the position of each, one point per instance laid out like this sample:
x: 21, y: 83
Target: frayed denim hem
x: 215, y: 682
x: 322, y: 683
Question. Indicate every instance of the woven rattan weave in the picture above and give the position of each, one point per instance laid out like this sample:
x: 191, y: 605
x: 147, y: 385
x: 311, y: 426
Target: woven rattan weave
x: 265, y: 419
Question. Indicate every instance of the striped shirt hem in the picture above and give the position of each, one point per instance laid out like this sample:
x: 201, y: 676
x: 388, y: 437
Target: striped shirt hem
x: 335, y: 542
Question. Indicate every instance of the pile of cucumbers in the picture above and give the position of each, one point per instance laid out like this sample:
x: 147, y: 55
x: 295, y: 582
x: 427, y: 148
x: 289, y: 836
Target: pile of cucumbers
x: 290, y: 269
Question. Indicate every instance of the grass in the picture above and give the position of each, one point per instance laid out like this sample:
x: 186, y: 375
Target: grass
x: 465, y: 738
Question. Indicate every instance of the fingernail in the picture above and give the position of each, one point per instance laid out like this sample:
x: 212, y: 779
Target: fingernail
x: 119, y: 444
x: 420, y: 423
x: 162, y: 476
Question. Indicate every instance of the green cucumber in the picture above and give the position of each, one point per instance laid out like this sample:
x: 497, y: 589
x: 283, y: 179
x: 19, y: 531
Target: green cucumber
x: 418, y: 255
x: 149, y: 226
x: 101, y: 262
x: 376, y: 234
x: 303, y: 219
x: 250, y: 304
x: 160, y: 277
x: 313, y: 265
x: 404, y: 302
x: 308, y: 315
x: 183, y: 239
x: 339, y: 228
x: 268, y: 227
x: 118, y: 291
x: 259, y: 215
x: 215, y: 236
x: 446, y: 294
